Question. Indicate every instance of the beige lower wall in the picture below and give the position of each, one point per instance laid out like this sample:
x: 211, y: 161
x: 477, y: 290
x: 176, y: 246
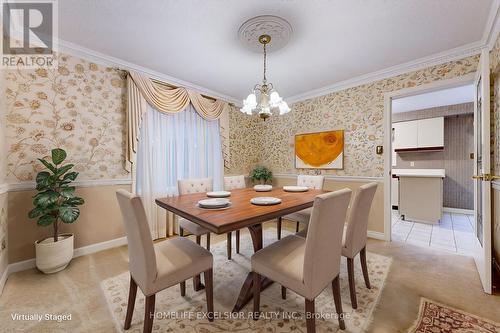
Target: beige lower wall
x: 495, y: 222
x: 376, y: 222
x: 3, y: 235
x: 99, y: 221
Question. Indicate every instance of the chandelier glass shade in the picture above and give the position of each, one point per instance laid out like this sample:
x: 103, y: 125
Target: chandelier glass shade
x: 264, y: 98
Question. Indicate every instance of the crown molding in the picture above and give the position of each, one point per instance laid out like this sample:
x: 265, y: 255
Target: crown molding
x: 106, y: 60
x: 414, y: 65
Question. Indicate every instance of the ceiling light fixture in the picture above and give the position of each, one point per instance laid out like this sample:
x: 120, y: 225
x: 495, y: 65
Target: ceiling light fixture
x: 256, y: 35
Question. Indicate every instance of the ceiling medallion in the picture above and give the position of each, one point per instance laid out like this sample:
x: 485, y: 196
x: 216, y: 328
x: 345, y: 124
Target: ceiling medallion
x: 265, y: 33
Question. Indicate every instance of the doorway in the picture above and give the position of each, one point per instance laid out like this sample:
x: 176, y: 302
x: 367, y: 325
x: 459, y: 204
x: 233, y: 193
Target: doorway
x: 410, y: 214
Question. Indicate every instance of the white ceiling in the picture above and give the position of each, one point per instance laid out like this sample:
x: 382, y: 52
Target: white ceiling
x: 433, y: 99
x: 333, y: 40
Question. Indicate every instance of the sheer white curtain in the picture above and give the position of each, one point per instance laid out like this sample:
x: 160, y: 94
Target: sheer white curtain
x: 173, y: 147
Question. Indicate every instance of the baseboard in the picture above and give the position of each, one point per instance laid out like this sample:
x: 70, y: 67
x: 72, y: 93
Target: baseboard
x: 376, y: 235
x: 81, y: 251
x: 458, y: 210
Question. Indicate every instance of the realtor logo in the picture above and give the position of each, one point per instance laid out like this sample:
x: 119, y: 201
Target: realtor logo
x: 29, y: 32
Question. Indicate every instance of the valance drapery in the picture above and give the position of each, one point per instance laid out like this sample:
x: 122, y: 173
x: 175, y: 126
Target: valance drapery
x: 143, y: 91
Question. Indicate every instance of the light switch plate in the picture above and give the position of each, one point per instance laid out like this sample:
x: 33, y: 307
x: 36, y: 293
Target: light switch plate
x: 412, y: 163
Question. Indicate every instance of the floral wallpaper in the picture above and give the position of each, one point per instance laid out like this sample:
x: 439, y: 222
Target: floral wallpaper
x: 245, y: 142
x: 358, y: 110
x: 495, y: 109
x: 79, y: 107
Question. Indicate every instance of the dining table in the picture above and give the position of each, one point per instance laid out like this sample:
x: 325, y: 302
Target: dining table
x: 240, y: 214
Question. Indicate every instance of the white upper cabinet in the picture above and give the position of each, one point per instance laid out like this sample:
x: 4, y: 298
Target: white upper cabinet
x: 416, y: 134
x: 405, y: 134
x: 431, y: 132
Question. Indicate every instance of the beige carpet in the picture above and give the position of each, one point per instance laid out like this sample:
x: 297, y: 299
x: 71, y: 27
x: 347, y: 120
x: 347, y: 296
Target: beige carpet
x: 434, y: 317
x: 181, y: 314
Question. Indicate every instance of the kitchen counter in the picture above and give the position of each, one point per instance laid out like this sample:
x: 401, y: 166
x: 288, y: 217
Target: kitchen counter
x: 420, y: 194
x: 439, y: 173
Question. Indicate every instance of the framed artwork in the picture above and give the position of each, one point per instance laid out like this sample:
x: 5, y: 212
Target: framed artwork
x: 321, y: 150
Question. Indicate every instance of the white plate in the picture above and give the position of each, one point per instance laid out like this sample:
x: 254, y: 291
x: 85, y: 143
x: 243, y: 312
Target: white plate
x: 218, y: 194
x: 295, y: 188
x: 214, y: 203
x: 265, y: 201
x: 263, y: 188
x: 216, y: 208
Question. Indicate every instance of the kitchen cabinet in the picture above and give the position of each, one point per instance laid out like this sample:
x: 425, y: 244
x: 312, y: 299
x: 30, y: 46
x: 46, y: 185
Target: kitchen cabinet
x: 422, y: 134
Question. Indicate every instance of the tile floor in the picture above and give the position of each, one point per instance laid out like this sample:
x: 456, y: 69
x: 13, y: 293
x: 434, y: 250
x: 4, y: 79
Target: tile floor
x: 454, y: 233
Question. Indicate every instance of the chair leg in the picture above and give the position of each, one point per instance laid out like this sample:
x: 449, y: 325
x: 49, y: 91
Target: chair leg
x: 352, y: 287
x: 183, y: 288
x: 198, y: 240
x: 310, y: 320
x: 364, y: 267
x: 297, y: 227
x: 229, y: 246
x: 208, y: 241
x: 209, y: 290
x: 149, y: 313
x: 338, y: 301
x: 256, y: 296
x: 181, y: 232
x: 131, y: 302
x: 278, y: 227
x: 283, y: 292
x: 237, y: 241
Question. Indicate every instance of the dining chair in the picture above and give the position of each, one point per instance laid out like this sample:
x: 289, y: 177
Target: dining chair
x: 233, y: 183
x: 356, y: 234
x: 307, y: 265
x: 312, y: 182
x: 155, y: 267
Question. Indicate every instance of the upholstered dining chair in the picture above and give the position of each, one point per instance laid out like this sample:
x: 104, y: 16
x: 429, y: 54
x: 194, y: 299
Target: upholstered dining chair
x: 355, y: 235
x: 307, y: 265
x: 233, y: 183
x: 312, y: 182
x: 154, y: 267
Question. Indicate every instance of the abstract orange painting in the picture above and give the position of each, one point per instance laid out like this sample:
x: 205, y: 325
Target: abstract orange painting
x: 322, y: 150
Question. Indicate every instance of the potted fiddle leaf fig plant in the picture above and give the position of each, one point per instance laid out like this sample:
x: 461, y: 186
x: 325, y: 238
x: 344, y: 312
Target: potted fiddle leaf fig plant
x: 261, y: 174
x: 54, y: 203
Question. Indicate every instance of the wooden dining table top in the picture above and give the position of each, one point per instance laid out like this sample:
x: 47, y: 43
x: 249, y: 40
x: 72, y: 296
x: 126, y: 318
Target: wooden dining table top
x: 241, y: 213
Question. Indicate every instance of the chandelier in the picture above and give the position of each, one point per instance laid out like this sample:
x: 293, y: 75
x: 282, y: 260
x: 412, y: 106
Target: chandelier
x: 264, y: 98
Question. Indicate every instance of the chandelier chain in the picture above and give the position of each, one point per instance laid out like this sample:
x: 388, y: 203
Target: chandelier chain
x: 265, y: 58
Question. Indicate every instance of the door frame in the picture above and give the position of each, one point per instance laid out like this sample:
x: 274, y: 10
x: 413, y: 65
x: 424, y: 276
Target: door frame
x: 388, y: 97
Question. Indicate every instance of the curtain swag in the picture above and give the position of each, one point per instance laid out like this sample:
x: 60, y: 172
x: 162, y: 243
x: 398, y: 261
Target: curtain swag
x: 141, y: 91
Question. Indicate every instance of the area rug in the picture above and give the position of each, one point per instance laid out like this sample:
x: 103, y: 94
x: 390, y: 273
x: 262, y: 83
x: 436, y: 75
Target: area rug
x: 185, y: 314
x: 434, y: 317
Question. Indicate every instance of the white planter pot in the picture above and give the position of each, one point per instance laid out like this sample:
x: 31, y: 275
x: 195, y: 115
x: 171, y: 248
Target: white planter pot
x: 53, y: 256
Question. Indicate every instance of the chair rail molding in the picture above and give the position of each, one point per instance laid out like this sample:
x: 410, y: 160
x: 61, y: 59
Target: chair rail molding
x: 27, y: 186
x: 4, y: 188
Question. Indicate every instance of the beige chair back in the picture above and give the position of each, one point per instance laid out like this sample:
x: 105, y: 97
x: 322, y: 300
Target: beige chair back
x: 357, y: 224
x: 142, y: 259
x: 234, y: 182
x: 200, y: 185
x: 324, y: 239
x: 312, y: 182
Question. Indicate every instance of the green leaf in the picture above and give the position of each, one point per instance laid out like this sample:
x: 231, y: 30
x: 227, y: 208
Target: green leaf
x: 36, y: 212
x: 58, y: 156
x: 46, y: 198
x: 70, y: 176
x: 42, y: 180
x: 74, y: 201
x: 68, y: 192
x: 69, y: 214
x: 61, y: 171
x: 48, y: 165
x: 46, y: 220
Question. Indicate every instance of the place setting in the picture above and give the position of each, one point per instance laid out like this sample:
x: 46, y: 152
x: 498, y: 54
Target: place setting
x: 218, y: 200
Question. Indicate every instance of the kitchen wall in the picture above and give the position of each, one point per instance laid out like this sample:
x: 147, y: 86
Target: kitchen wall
x: 458, y: 144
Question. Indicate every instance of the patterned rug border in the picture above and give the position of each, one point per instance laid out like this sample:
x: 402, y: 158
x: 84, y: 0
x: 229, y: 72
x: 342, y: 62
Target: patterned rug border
x: 423, y: 300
